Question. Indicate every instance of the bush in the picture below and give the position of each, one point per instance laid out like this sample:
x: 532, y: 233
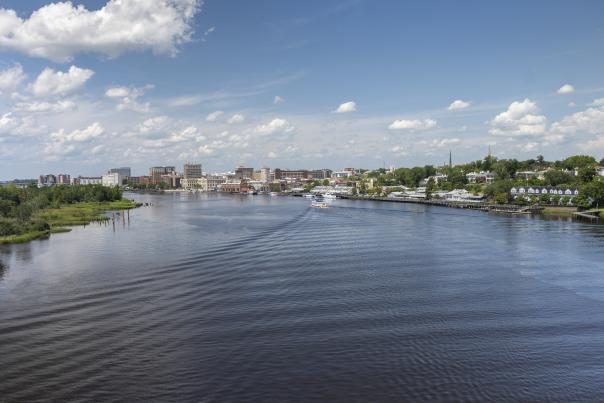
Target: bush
x: 8, y: 227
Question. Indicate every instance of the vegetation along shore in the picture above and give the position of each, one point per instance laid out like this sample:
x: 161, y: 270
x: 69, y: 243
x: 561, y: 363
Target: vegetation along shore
x: 32, y: 213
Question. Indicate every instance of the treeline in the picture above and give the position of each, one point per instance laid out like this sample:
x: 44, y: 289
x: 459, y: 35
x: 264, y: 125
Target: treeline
x: 578, y: 171
x: 19, y: 207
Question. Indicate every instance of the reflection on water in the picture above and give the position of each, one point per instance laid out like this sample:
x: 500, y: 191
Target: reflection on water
x: 240, y: 298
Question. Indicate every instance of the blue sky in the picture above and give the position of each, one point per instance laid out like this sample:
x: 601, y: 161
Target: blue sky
x: 96, y: 84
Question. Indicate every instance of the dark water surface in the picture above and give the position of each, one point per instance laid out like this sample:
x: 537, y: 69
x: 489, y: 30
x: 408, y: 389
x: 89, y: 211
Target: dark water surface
x: 217, y: 298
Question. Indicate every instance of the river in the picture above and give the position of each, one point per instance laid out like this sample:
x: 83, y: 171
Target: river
x: 256, y: 298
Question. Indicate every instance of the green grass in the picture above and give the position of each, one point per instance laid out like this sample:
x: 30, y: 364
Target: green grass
x: 28, y: 236
x: 83, y: 213
x: 69, y: 215
x: 561, y: 211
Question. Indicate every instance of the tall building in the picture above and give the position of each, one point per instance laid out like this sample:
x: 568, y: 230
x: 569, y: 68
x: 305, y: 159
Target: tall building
x: 47, y: 180
x: 265, y: 175
x: 156, y: 173
x: 321, y: 173
x: 123, y: 171
x: 112, y: 179
x: 191, y: 171
x: 292, y: 174
x: 244, y: 173
x: 63, y: 179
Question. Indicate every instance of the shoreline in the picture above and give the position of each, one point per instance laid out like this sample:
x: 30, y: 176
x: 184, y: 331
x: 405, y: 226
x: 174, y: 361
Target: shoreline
x: 69, y: 215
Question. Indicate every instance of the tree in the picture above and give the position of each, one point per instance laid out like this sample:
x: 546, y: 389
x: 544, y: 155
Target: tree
x: 540, y: 160
x: 430, y: 187
x: 501, y: 198
x: 556, y: 178
x: 578, y: 161
x: 456, y: 178
x: 587, y: 173
x: 602, y: 161
x: 593, y: 192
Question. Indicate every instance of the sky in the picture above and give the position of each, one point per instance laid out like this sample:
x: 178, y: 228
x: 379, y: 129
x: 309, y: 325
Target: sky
x: 90, y: 85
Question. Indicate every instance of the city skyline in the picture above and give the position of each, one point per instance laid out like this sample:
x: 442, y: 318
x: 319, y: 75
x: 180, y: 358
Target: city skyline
x: 313, y: 85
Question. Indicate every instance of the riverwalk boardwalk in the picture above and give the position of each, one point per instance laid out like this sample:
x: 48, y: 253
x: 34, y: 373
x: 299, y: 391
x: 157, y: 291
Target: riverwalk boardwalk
x: 482, y: 206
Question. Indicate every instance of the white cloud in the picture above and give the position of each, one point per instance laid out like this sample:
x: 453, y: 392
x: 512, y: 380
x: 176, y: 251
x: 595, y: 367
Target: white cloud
x: 593, y: 144
x: 213, y: 117
x: 58, y: 31
x: 412, y: 125
x: 598, y: 102
x: 43, y: 106
x: 275, y: 126
x: 127, y: 98
x: 347, y: 107
x: 236, y: 118
x: 93, y: 131
x: 278, y: 100
x: 11, y: 78
x: 572, y: 104
x: 154, y: 124
x: 186, y: 100
x: 566, y: 89
x: 399, y: 150
x: 14, y: 125
x: 458, y: 104
x: 51, y: 82
x: 589, y: 121
x: 520, y: 119
x: 272, y: 155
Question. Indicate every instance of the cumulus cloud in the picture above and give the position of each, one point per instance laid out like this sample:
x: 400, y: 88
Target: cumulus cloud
x: 43, y: 106
x: 127, y: 98
x: 275, y: 126
x: 412, y: 125
x: 236, y: 118
x: 11, y: 78
x: 51, y: 82
x: 347, y: 107
x: 278, y: 100
x: 213, y: 117
x: 93, y: 131
x: 593, y: 144
x: 439, y: 143
x: 458, y: 104
x: 589, y: 121
x: 399, y: 150
x: 520, y: 119
x: 566, y: 89
x: 14, y: 125
x: 154, y: 124
x: 58, y: 31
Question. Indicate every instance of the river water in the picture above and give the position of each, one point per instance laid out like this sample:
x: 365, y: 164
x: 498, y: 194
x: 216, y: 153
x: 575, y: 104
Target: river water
x: 258, y: 298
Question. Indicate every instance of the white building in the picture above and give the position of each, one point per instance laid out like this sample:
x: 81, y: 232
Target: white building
x: 90, y: 180
x: 462, y: 195
x: 112, y: 180
x: 480, y: 177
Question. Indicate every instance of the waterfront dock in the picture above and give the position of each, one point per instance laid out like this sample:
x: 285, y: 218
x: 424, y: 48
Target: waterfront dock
x: 482, y: 206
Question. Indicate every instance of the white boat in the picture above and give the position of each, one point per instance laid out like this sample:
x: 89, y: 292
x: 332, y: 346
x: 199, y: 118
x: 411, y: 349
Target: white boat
x: 330, y: 196
x: 308, y: 196
x: 318, y: 202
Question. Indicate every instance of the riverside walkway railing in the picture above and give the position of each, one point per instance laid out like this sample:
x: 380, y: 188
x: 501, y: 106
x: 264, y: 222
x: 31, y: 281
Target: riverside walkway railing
x: 473, y: 205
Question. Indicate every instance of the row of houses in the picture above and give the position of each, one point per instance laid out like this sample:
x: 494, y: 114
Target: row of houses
x: 544, y: 190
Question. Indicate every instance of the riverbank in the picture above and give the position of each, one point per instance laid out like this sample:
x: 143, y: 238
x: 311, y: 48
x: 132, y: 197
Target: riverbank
x: 60, y: 219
